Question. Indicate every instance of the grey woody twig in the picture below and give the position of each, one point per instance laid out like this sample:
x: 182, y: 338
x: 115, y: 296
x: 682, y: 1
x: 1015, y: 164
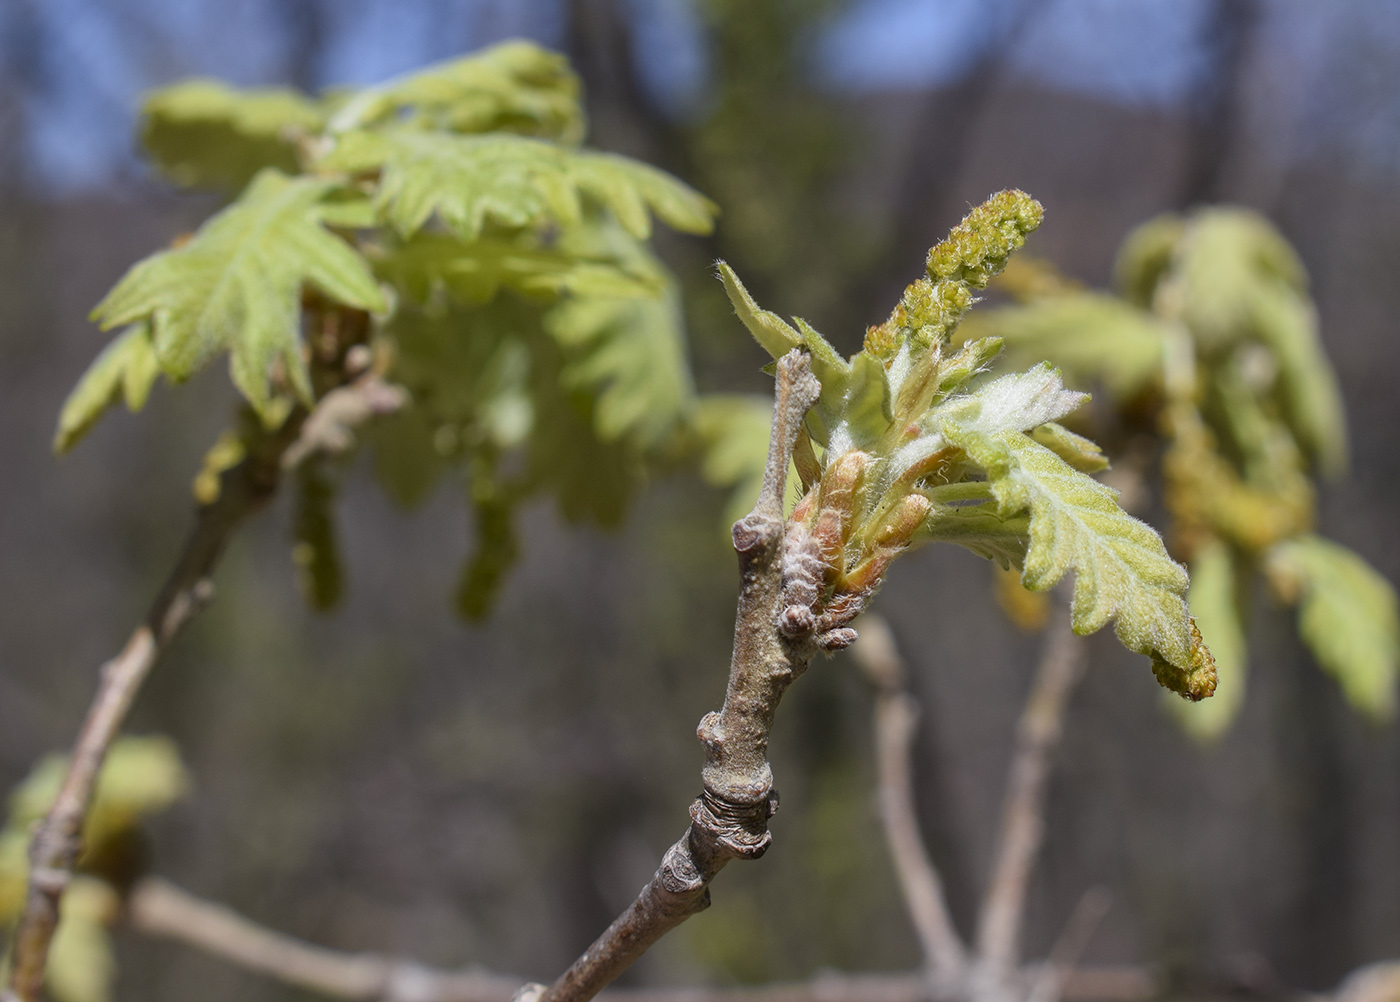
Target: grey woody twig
x: 896, y: 718
x: 158, y: 908
x: 730, y: 819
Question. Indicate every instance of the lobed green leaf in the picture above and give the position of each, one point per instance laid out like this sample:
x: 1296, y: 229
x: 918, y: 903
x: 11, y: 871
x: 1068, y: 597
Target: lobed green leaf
x: 236, y: 287
x: 126, y: 369
x: 1122, y: 571
x: 203, y: 133
x: 515, y: 86
x: 509, y: 180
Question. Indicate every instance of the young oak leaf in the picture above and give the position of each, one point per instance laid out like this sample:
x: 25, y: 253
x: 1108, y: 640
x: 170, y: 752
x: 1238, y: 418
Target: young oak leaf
x: 474, y: 271
x: 236, y: 286
x: 512, y: 180
x: 629, y: 350
x: 1122, y: 571
x: 203, y: 133
x: 1017, y: 402
x: 514, y: 86
x: 125, y: 369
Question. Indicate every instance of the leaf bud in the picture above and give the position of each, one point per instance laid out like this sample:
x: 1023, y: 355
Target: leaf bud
x: 841, y: 480
x: 900, y: 523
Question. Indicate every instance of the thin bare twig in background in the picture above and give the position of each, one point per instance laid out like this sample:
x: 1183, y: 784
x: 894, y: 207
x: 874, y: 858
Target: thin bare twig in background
x: 158, y: 908
x: 243, y: 489
x: 57, y: 840
x: 1023, y: 810
x: 1083, y: 922
x: 896, y: 717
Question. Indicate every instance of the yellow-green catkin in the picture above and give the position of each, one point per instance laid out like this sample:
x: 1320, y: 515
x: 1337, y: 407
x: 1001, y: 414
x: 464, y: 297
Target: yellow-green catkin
x: 974, y: 252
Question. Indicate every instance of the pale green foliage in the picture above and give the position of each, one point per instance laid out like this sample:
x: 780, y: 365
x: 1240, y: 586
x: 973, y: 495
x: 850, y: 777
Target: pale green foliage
x: 733, y: 432
x: 126, y: 370
x: 1346, y: 615
x: 476, y: 272
x: 915, y: 449
x: 82, y: 964
x: 1214, y: 601
x: 629, y: 351
x: 448, y: 222
x: 513, y: 181
x: 141, y: 776
x: 512, y: 87
x: 1238, y: 282
x: 236, y: 287
x: 1081, y: 453
x: 205, y: 134
x: 1093, y: 337
x: 1214, y: 324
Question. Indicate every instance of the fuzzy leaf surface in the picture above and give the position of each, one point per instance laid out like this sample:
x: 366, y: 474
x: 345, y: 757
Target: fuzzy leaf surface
x: 771, y: 331
x: 1017, y: 402
x: 236, y: 286
x: 1122, y: 571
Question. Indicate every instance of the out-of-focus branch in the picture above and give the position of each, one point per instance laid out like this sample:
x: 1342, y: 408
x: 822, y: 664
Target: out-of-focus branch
x: 730, y: 820
x: 1049, y: 982
x: 242, y: 490
x: 1023, y: 810
x: 57, y: 840
x: 159, y: 908
x: 896, y: 716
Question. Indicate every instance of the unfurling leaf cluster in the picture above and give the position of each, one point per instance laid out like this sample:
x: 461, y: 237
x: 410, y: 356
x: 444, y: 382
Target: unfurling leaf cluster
x: 1211, y: 334
x: 910, y: 443
x: 142, y: 776
x: 442, y: 236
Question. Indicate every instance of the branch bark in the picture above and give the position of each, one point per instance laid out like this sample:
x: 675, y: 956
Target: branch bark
x: 730, y: 819
x: 896, y: 718
x: 57, y: 839
x: 1023, y: 810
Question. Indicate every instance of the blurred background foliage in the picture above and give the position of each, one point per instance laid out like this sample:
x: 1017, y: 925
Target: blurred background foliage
x: 385, y: 777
